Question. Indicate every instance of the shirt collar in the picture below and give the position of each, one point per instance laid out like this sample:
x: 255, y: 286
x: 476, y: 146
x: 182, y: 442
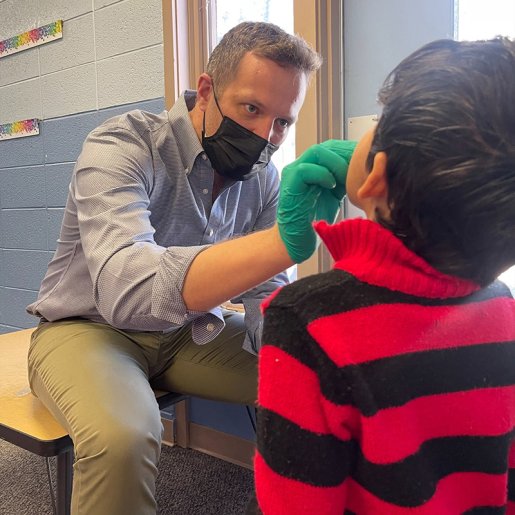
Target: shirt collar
x: 186, y: 138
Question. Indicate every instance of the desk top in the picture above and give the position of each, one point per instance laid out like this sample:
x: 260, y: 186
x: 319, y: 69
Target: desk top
x: 20, y: 411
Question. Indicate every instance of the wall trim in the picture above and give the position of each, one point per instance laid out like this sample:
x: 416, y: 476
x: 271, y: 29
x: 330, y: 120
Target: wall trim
x: 224, y: 446
x: 169, y: 432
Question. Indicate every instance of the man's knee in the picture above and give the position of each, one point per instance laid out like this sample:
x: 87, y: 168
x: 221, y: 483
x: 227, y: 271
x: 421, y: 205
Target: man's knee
x: 121, y: 445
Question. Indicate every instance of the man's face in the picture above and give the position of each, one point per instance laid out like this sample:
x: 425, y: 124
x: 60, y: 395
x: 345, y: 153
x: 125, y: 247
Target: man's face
x: 264, y: 97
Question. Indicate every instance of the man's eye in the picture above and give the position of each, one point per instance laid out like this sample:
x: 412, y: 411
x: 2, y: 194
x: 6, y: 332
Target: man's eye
x: 250, y: 108
x: 283, y: 123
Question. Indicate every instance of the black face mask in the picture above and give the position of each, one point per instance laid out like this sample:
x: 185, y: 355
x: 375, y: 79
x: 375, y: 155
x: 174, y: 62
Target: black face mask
x: 234, y: 151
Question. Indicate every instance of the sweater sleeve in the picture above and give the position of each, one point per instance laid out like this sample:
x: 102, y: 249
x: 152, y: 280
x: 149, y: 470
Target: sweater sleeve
x: 300, y: 465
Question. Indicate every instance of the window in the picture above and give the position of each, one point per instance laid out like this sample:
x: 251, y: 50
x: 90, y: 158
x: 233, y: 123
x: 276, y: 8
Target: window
x: 230, y: 13
x: 478, y: 19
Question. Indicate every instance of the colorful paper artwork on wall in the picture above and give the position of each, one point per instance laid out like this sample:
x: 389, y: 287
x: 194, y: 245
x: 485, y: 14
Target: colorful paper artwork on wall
x: 19, y: 129
x: 32, y: 38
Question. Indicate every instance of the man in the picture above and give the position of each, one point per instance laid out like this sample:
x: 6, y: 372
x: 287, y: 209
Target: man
x: 131, y: 298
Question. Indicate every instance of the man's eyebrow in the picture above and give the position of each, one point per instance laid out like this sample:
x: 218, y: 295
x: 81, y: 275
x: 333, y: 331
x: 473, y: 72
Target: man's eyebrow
x: 244, y: 99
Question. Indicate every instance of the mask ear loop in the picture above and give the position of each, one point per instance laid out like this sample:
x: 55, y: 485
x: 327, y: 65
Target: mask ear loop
x: 217, y: 105
x: 216, y: 100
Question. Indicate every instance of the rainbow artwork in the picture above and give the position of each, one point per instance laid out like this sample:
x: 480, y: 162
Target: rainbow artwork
x: 32, y: 38
x: 19, y: 129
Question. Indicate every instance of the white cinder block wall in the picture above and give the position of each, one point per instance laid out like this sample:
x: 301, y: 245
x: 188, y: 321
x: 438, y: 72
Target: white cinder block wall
x: 111, y: 54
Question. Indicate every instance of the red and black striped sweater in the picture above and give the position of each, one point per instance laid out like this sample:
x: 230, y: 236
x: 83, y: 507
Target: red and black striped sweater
x: 386, y: 387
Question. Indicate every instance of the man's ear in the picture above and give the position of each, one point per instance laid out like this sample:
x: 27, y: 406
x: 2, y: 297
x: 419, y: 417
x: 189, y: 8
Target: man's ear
x: 375, y: 185
x: 204, y: 90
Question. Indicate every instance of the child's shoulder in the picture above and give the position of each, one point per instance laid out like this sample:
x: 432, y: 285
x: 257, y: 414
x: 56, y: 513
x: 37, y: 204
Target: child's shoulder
x: 314, y: 290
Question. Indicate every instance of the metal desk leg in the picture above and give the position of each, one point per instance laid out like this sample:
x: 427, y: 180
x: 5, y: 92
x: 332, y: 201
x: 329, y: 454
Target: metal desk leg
x: 64, y: 482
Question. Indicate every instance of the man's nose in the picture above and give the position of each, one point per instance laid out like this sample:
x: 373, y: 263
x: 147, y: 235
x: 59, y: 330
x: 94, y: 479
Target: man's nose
x: 266, y: 130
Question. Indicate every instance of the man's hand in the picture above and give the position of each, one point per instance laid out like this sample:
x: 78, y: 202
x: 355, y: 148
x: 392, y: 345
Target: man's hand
x: 344, y: 148
x: 312, y: 188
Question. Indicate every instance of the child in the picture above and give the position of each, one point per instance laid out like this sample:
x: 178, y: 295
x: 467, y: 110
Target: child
x: 387, y: 385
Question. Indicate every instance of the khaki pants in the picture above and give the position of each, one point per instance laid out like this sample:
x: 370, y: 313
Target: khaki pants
x: 97, y: 381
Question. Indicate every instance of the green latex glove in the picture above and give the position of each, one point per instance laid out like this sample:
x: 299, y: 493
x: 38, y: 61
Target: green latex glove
x: 312, y: 188
x: 344, y: 148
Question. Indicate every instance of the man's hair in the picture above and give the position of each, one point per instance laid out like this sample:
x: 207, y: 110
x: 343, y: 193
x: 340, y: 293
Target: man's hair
x: 448, y: 129
x: 264, y: 40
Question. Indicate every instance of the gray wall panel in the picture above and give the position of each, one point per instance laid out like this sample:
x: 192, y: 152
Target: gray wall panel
x: 24, y: 268
x: 55, y: 217
x: 22, y: 187
x: 12, y: 308
x: 156, y: 106
x: 63, y: 137
x: 22, y: 152
x: 57, y: 180
x: 23, y: 229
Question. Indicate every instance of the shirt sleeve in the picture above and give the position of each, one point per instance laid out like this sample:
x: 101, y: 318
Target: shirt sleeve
x: 253, y: 298
x: 137, y: 283
x: 300, y: 466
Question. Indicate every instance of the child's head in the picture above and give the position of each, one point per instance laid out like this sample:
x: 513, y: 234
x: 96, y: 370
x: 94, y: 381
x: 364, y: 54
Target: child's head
x: 447, y: 141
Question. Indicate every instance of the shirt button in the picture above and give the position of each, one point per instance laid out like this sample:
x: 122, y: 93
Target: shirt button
x: 210, y: 327
x: 186, y: 170
x: 204, y: 157
x: 205, y: 191
x: 210, y: 232
x: 185, y: 316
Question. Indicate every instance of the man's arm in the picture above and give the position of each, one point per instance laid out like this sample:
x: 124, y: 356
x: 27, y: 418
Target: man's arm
x: 226, y: 269
x: 136, y: 282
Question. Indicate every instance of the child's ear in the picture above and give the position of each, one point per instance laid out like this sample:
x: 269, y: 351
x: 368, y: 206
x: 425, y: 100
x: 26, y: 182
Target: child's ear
x: 375, y: 185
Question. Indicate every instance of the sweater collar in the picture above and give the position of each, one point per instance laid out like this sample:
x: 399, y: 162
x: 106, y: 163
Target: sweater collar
x: 373, y: 254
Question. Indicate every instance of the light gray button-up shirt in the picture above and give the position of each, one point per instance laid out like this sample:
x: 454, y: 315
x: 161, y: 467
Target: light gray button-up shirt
x: 139, y: 210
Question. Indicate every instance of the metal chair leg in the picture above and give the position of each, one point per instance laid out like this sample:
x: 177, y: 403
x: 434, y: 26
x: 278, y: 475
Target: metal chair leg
x: 64, y: 482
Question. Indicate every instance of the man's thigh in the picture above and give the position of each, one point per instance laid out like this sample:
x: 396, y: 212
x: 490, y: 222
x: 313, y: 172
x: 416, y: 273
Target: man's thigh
x: 219, y: 370
x: 90, y: 374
